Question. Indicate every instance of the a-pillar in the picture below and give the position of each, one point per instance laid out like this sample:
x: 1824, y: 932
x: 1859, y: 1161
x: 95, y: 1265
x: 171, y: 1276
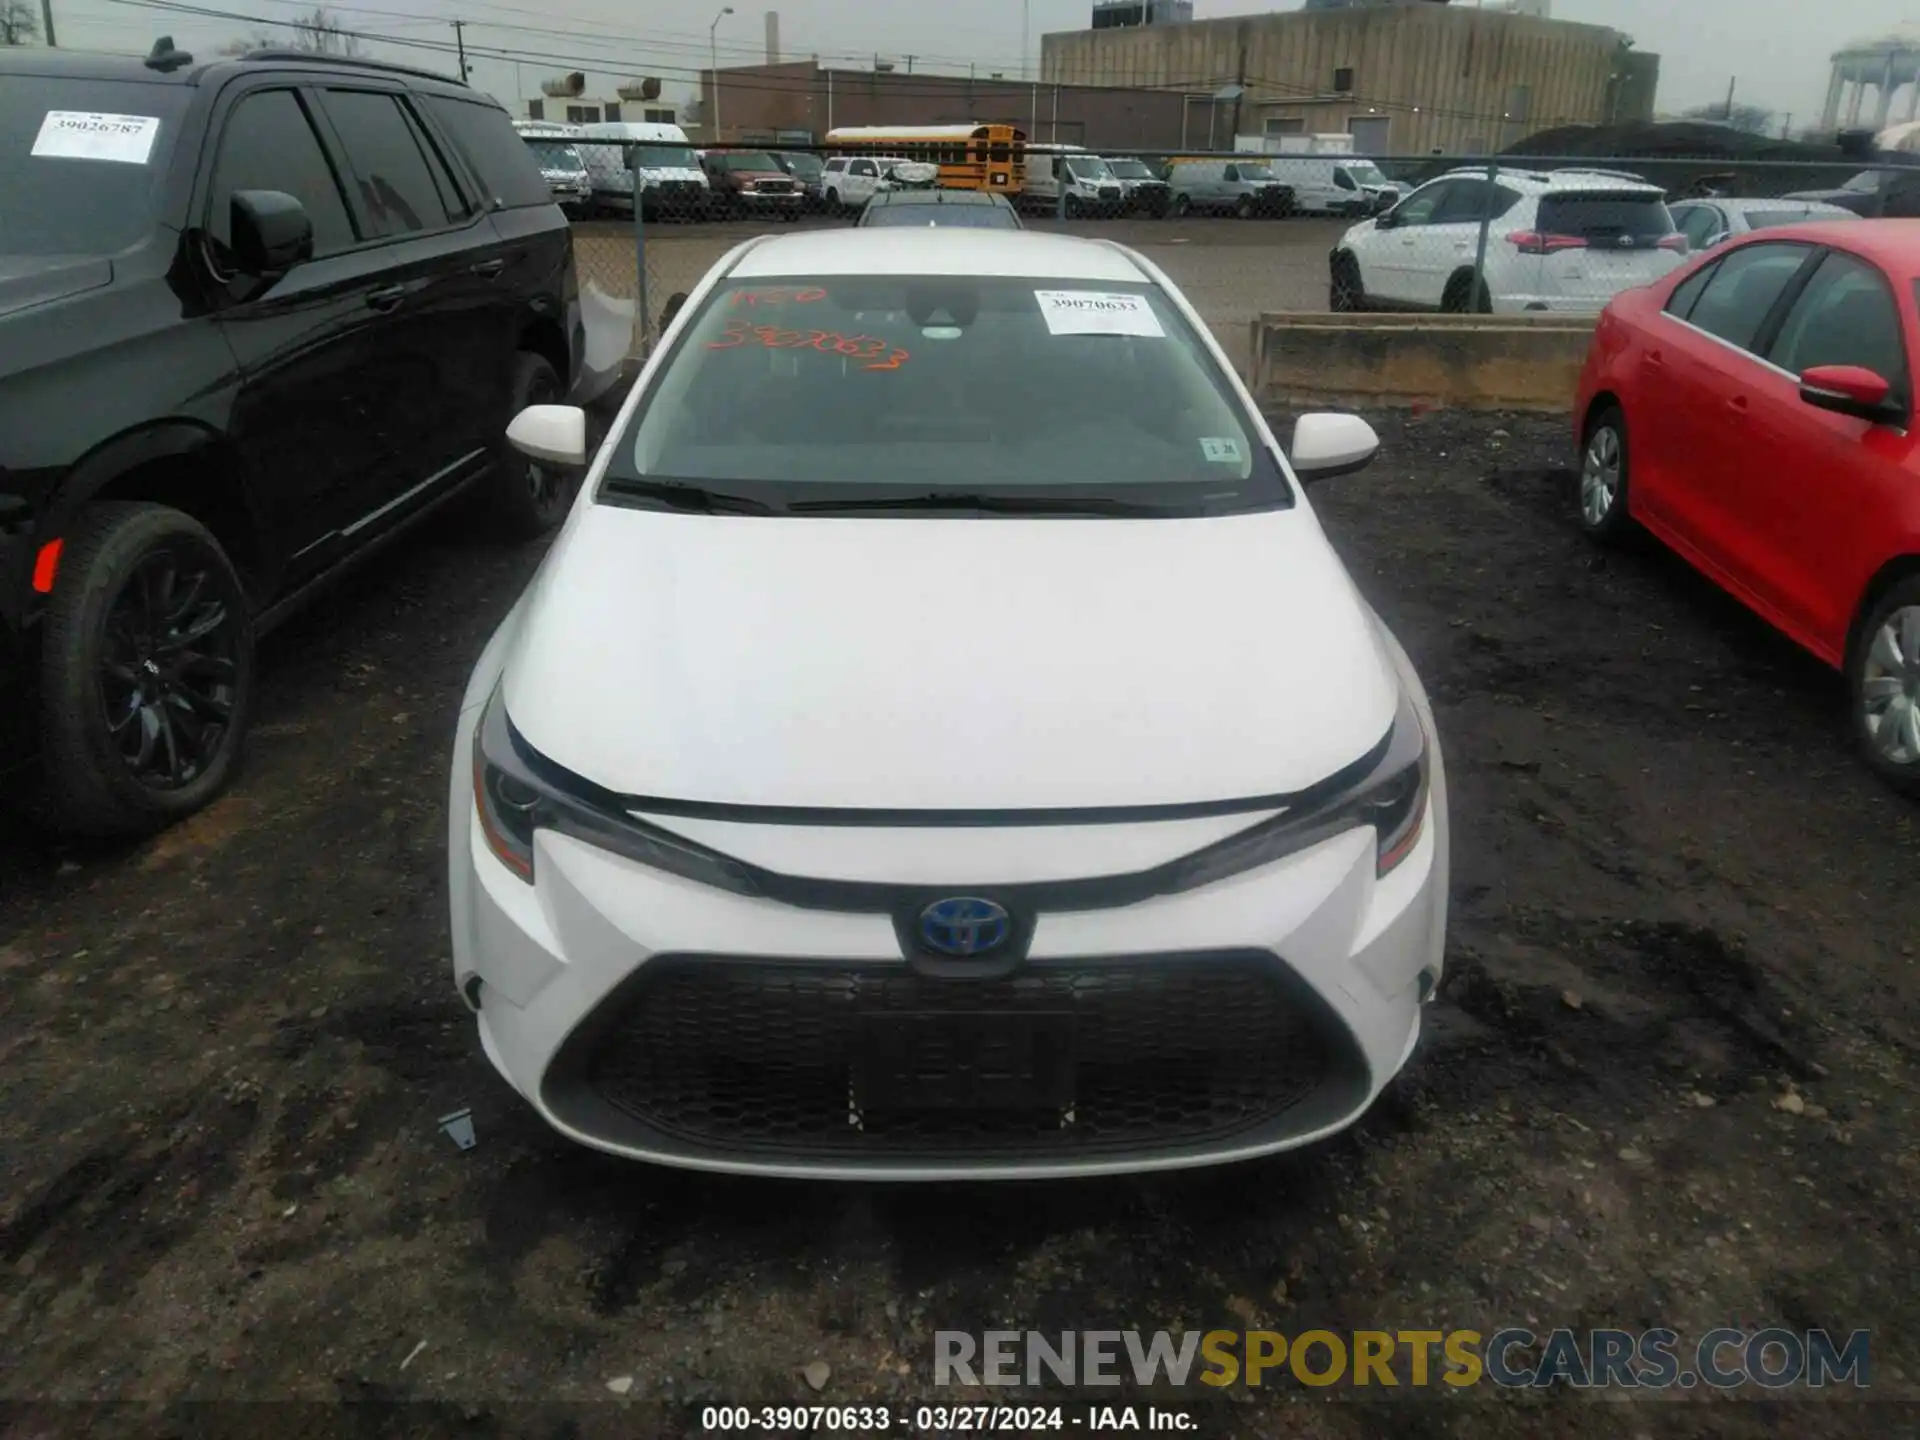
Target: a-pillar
x: 1830, y: 117
x: 1885, y: 111
x: 1853, y: 105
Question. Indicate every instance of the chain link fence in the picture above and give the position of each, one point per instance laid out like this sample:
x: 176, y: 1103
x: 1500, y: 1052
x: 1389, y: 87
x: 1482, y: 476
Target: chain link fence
x: 1240, y: 233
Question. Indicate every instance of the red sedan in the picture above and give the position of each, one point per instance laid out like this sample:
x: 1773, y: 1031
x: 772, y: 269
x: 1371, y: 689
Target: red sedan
x: 1755, y: 412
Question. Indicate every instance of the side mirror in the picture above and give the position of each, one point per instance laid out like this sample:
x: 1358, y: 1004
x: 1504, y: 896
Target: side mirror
x: 550, y: 434
x: 1327, y: 444
x: 271, y: 233
x: 1388, y: 219
x: 674, y: 302
x: 1848, y: 390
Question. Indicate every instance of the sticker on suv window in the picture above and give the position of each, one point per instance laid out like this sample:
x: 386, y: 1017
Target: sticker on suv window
x: 1223, y: 449
x: 89, y: 135
x: 1095, y: 312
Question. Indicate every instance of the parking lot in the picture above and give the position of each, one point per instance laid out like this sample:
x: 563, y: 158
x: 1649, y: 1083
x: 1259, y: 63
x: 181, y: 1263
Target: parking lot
x: 1232, y: 270
x: 1678, y: 901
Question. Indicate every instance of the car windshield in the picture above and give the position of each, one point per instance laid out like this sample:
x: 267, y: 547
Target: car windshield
x: 81, y: 162
x: 1867, y: 182
x: 959, y: 215
x: 803, y: 165
x: 665, y: 157
x: 748, y: 160
x: 811, y: 392
x: 1129, y: 170
x: 1089, y: 168
x: 1256, y: 172
x: 1768, y: 219
x: 555, y: 155
x: 1365, y: 172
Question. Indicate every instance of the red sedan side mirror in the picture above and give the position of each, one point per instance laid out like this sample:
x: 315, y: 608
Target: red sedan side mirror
x: 1847, y: 390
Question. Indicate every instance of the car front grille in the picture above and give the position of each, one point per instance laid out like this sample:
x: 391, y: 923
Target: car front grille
x: 773, y: 187
x: 1109, y: 192
x: 737, y: 1056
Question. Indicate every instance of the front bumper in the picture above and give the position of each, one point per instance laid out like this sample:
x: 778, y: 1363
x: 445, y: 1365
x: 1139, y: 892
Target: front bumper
x: 664, y: 1020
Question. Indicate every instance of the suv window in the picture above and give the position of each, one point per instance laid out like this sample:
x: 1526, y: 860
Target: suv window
x: 1611, y: 217
x: 1467, y: 200
x: 487, y: 141
x: 68, y: 203
x: 1699, y: 223
x: 835, y: 166
x: 863, y: 167
x: 270, y: 145
x: 1420, y: 207
x: 397, y: 186
x: 1845, y: 316
x: 1744, y: 288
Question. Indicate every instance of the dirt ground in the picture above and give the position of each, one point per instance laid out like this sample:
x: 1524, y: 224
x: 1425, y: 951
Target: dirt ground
x: 1677, y: 900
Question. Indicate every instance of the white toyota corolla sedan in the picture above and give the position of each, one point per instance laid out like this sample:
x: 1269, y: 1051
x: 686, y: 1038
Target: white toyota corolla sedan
x: 942, y: 744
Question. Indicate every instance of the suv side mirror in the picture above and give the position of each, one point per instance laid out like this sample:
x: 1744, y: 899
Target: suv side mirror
x: 271, y: 233
x: 1387, y: 219
x: 1326, y: 444
x: 1848, y: 390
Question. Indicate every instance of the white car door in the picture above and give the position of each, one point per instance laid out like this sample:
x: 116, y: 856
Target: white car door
x: 863, y: 178
x: 1387, y: 254
x: 1450, y: 242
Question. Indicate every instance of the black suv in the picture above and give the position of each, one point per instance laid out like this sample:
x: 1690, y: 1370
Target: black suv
x: 255, y: 317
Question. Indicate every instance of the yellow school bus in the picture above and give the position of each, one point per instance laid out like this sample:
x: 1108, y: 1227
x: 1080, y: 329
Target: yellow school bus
x: 970, y: 157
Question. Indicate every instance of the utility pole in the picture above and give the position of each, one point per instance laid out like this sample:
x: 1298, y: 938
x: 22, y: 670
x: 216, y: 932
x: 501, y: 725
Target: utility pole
x: 910, y: 64
x: 46, y: 21
x: 460, y: 42
x: 1735, y: 80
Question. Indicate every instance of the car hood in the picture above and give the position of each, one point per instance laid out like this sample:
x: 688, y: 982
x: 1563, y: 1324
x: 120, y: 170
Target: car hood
x: 939, y: 664
x: 27, y: 280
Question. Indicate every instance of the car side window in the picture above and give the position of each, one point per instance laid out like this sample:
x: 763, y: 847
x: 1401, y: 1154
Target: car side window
x: 1420, y: 207
x: 1744, y: 289
x: 395, y: 180
x: 864, y: 167
x: 269, y: 144
x: 1700, y: 223
x: 1687, y: 293
x: 1845, y: 316
x: 1344, y: 181
x: 1467, y: 200
x: 1232, y: 173
x: 493, y: 152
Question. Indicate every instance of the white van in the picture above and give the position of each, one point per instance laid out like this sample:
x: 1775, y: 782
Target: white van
x: 1092, y: 187
x: 1333, y: 184
x: 672, y: 182
x: 561, y: 164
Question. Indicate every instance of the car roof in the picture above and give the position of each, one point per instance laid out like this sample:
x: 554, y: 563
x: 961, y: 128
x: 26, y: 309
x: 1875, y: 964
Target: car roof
x: 1546, y: 182
x: 1743, y: 204
x: 939, y: 250
x: 69, y: 65
x: 937, y: 197
x: 1894, y: 245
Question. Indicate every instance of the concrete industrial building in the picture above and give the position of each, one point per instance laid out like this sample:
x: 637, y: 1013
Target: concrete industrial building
x: 1401, y: 78
x: 1880, y: 63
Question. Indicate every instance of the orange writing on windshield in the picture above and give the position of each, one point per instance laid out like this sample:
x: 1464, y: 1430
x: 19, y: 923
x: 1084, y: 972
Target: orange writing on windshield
x: 871, y: 350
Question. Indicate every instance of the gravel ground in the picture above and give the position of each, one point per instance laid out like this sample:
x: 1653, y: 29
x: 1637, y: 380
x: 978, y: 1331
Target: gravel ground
x: 1677, y: 901
x: 1232, y: 270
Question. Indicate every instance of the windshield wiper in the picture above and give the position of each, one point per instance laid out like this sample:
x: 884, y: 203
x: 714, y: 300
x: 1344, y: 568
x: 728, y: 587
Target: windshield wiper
x: 693, y: 498
x: 963, y: 500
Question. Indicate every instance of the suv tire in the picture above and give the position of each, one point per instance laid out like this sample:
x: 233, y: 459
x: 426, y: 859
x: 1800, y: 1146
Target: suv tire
x: 147, y: 672
x: 1466, y: 296
x: 1883, y: 682
x: 527, y: 498
x: 1182, y: 206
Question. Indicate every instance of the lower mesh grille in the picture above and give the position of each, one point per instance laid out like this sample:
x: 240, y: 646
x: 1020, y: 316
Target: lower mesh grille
x: 740, y: 1055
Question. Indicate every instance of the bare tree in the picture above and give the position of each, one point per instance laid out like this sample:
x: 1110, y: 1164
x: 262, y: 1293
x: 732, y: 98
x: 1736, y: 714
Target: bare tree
x: 1752, y: 119
x: 320, y: 33
x: 19, y: 25
x: 316, y: 32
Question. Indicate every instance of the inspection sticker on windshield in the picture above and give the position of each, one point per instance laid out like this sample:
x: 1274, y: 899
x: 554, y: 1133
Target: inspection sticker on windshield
x: 1223, y: 449
x: 88, y: 135
x: 1096, y: 312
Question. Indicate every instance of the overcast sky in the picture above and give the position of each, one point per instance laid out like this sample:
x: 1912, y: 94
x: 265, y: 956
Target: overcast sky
x: 1778, y: 49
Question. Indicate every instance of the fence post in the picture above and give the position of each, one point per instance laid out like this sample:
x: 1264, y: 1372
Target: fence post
x: 1486, y: 224
x: 1060, y: 173
x: 643, y: 310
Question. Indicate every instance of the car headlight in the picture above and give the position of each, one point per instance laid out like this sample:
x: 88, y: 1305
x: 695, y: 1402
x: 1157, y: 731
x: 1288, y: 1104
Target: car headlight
x: 1386, y: 790
x: 516, y: 791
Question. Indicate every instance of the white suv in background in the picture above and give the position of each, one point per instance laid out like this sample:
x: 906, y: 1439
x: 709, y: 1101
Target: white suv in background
x: 1565, y: 241
x: 849, y: 182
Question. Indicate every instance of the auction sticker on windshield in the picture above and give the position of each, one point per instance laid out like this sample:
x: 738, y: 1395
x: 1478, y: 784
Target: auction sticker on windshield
x: 1095, y: 312
x: 89, y: 135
